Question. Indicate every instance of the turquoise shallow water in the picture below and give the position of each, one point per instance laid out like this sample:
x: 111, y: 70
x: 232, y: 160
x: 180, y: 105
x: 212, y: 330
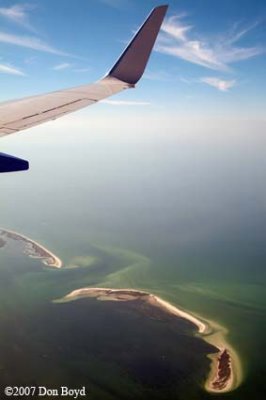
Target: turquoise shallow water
x: 115, y: 350
x: 35, y: 326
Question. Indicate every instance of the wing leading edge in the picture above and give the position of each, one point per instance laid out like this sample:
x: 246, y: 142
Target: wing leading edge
x: 25, y: 113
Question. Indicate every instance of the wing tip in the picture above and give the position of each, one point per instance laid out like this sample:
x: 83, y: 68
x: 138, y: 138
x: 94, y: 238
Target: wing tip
x: 131, y: 64
x: 162, y: 7
x: 10, y: 163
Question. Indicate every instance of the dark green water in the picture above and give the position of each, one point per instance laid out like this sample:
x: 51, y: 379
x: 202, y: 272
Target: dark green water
x: 115, y: 350
x: 187, y: 212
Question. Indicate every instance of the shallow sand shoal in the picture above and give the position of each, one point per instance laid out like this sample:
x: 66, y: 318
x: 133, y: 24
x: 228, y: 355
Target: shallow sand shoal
x: 218, y: 339
x: 210, y: 331
x: 49, y: 259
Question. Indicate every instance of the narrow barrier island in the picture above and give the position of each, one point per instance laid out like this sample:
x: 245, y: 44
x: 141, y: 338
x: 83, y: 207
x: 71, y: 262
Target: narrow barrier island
x: 31, y: 248
x: 225, y: 372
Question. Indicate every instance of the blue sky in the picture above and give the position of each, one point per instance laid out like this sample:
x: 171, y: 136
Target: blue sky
x: 209, y: 58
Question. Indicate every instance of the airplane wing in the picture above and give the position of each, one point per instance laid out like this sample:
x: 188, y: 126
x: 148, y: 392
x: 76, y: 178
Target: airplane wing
x: 25, y: 113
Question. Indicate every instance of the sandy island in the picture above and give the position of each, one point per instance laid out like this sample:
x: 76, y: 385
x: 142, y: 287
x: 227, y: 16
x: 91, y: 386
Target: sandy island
x: 225, y: 374
x: 33, y: 249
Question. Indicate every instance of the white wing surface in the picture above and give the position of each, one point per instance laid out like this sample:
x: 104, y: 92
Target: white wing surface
x: 25, y: 113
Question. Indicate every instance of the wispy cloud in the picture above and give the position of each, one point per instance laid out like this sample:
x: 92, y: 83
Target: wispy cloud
x: 125, y: 103
x: 174, y: 27
x: 30, y: 42
x: 18, y: 14
x: 218, y: 53
x: 30, y: 60
x: 9, y: 69
x: 62, y: 66
x: 218, y: 83
x: 159, y: 76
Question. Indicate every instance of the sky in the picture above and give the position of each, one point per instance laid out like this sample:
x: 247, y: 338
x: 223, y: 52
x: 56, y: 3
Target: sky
x: 209, y: 59
x: 189, y: 141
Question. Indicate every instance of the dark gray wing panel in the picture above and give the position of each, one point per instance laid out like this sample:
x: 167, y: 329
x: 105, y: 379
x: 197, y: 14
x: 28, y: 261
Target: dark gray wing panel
x: 131, y: 65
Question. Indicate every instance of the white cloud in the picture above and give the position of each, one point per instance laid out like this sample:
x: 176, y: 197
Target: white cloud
x: 219, y: 84
x: 214, y: 53
x: 30, y: 60
x: 159, y: 76
x: 125, y: 103
x: 62, y: 66
x: 17, y: 13
x: 30, y: 42
x: 174, y: 28
x: 59, y: 67
x: 9, y: 69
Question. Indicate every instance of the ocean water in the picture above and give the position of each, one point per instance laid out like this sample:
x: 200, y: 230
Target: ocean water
x: 180, y: 213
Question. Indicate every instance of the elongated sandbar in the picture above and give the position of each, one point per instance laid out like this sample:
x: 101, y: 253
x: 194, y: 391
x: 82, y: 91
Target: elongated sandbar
x: 225, y: 373
x: 34, y: 249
